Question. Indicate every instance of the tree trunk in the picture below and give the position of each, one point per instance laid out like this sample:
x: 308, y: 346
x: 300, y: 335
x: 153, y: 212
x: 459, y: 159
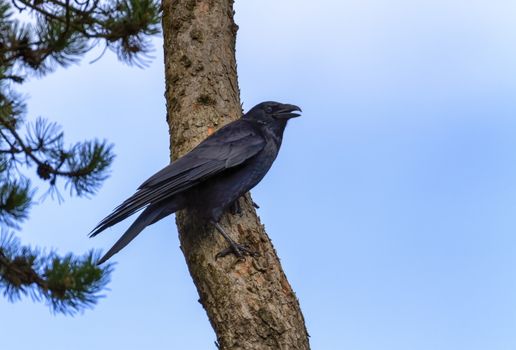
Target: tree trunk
x: 250, y: 303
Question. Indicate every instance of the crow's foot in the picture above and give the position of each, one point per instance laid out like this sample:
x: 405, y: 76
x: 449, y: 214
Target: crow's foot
x: 239, y: 250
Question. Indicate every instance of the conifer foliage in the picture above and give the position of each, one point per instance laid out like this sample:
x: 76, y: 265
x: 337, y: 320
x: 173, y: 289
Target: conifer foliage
x: 36, y: 37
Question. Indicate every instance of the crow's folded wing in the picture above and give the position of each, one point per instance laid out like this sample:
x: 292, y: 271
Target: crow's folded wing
x: 230, y: 146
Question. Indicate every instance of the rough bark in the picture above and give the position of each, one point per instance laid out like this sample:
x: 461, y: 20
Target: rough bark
x: 250, y: 303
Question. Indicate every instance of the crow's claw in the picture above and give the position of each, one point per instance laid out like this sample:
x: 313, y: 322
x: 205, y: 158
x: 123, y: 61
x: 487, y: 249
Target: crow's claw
x: 239, y: 250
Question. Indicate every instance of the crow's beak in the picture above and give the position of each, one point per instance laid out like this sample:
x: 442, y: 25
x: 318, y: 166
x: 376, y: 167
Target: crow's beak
x: 285, y: 112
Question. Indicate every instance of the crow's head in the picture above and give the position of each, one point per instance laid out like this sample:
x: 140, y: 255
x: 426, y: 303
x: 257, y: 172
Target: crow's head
x: 271, y: 111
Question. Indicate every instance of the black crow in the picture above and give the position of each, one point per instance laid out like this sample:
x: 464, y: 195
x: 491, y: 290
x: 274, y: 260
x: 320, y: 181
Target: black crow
x: 209, y: 178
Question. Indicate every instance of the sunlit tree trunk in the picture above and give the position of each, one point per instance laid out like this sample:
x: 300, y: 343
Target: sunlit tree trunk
x: 250, y: 303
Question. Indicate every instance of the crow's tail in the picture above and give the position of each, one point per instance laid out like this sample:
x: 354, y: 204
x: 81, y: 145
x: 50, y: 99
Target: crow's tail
x: 149, y: 216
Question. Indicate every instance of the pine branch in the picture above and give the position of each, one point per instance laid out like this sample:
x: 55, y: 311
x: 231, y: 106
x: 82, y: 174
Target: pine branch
x: 84, y: 165
x: 59, y: 33
x: 68, y: 284
x: 65, y: 30
x: 15, y: 201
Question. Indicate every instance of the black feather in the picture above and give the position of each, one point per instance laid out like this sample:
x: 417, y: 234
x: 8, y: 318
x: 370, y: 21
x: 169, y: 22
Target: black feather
x: 211, y: 176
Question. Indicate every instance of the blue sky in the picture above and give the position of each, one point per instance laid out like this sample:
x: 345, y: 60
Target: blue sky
x: 392, y: 204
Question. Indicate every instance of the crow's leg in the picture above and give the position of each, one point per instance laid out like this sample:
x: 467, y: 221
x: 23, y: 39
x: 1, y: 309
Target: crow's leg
x: 239, y: 250
x: 235, y: 208
x: 253, y: 203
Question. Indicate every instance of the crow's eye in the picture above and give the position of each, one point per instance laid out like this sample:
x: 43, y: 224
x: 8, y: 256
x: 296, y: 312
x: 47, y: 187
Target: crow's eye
x: 268, y: 109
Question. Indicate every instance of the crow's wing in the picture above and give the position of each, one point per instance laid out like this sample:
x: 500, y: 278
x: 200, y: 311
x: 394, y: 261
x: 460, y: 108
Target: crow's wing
x: 226, y: 148
x: 230, y: 146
